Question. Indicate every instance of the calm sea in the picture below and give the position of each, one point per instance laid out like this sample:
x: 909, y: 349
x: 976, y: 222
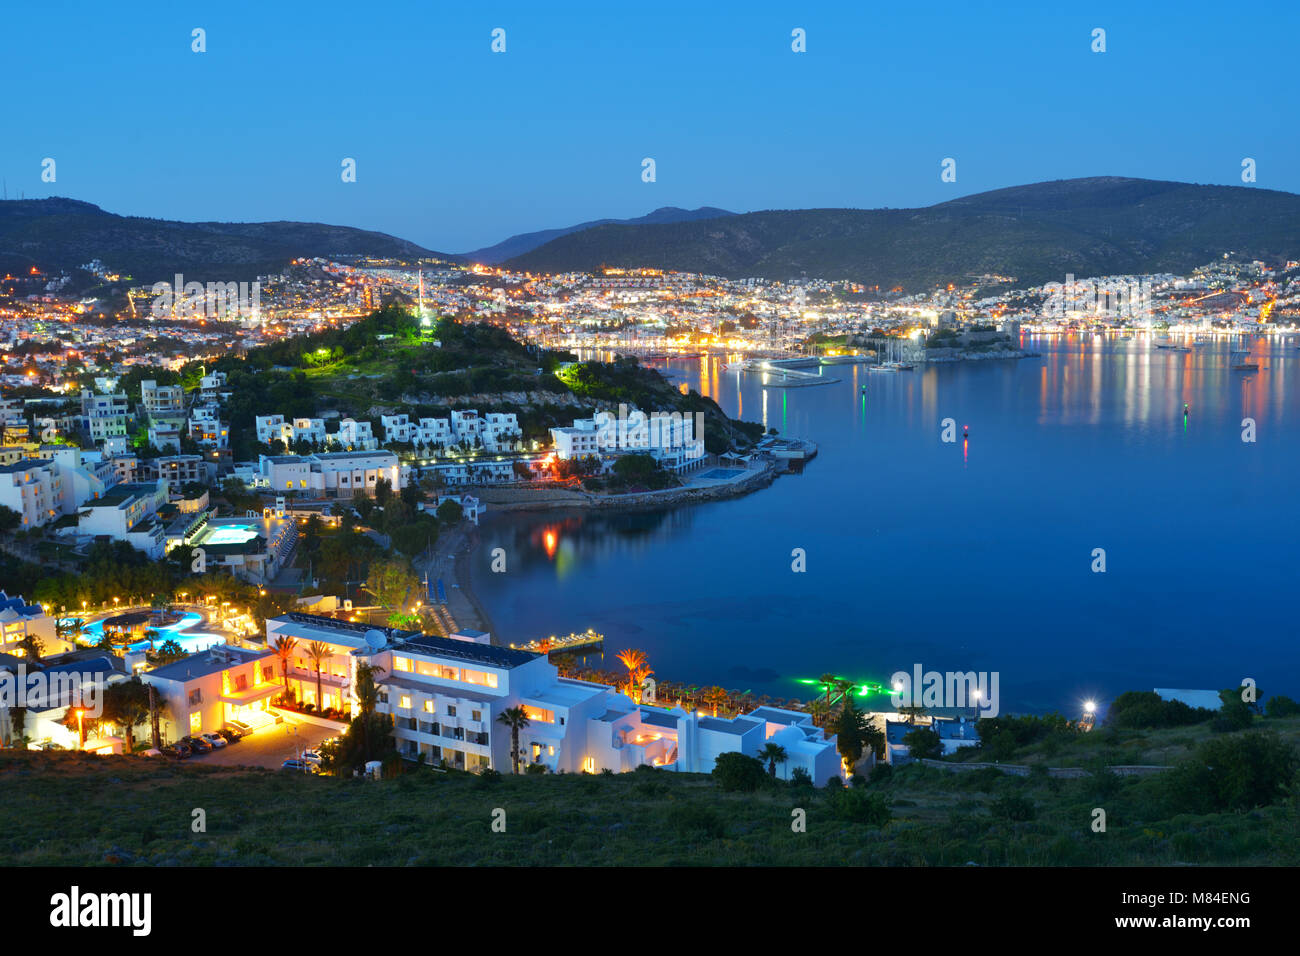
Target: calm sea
x: 972, y: 555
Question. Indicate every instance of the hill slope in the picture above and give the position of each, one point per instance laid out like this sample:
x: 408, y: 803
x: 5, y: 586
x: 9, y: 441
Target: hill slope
x: 528, y: 241
x: 62, y: 234
x: 1036, y: 233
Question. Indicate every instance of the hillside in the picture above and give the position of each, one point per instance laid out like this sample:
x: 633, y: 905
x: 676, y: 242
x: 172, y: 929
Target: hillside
x: 650, y: 817
x: 528, y: 241
x: 1037, y: 233
x: 57, y: 235
x: 385, y: 363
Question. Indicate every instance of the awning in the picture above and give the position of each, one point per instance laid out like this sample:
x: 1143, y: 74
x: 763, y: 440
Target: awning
x: 248, y: 696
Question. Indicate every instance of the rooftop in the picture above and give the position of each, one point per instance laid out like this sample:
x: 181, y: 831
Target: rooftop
x: 204, y: 663
x: 468, y: 651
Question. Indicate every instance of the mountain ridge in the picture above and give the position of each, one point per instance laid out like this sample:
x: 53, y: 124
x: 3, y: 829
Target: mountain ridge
x: 1035, y: 232
x: 61, y: 234
x: 526, y: 242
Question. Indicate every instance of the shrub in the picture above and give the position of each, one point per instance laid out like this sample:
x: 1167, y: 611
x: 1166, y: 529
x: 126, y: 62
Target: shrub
x: 860, y: 806
x: 1014, y: 807
x: 800, y: 777
x: 1231, y: 773
x: 1280, y: 705
x: 737, y: 771
x: 688, y: 818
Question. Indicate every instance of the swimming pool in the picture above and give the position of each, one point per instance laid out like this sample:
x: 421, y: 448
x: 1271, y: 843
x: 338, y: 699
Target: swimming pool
x: 190, y: 642
x: 226, y: 534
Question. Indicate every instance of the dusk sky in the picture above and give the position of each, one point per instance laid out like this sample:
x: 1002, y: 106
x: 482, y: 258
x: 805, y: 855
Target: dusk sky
x: 458, y: 147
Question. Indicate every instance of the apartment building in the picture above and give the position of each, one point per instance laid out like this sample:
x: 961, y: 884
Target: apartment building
x: 162, y: 401
x: 355, y: 436
x: 207, y: 429
x: 674, y: 439
x: 129, y: 513
x: 103, y: 415
x: 33, y: 488
x: 494, y: 432
x: 179, y: 470
x: 212, y: 388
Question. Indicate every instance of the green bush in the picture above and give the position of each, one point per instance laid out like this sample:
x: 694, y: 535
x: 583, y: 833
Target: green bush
x: 737, y: 771
x: 858, y: 805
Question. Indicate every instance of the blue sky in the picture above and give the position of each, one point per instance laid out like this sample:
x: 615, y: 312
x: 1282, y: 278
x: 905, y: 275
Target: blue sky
x: 458, y: 147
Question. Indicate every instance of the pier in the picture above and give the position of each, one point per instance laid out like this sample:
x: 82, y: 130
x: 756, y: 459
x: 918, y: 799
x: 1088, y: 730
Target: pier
x: 588, y: 639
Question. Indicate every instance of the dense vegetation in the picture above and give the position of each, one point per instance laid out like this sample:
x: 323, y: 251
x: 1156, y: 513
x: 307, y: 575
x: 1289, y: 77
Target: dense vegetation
x: 1232, y: 800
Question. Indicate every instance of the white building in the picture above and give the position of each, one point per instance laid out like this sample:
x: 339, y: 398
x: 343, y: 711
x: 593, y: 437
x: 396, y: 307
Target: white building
x: 103, y: 415
x: 129, y: 513
x: 19, y: 620
x: 674, y: 439
x: 355, y: 436
x: 33, y: 488
x: 207, y: 429
x: 165, y: 401
x: 493, y: 432
x: 202, y: 692
x: 332, y: 474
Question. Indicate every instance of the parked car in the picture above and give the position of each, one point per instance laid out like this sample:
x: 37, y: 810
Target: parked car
x: 177, y: 751
x: 301, y: 766
x: 311, y: 756
x: 230, y: 736
x: 216, y: 740
x: 198, y: 744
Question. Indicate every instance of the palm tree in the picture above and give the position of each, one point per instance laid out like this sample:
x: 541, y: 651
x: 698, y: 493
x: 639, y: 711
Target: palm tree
x: 169, y: 651
x: 32, y: 648
x: 714, y: 696
x: 632, y: 659
x: 772, y: 754
x: 283, y: 648
x: 367, y: 692
x: 318, y: 652
x: 820, y: 710
x: 828, y: 681
x: 516, y: 720
x: 638, y: 681
x: 845, y: 689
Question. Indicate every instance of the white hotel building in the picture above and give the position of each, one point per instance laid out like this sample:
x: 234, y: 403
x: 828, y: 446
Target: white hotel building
x: 446, y: 693
x: 339, y: 474
x: 671, y: 439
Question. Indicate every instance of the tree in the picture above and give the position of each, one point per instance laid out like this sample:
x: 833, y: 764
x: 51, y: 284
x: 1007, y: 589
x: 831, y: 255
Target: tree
x: 772, y: 754
x: 923, y: 744
x: 633, y: 660
x: 32, y: 647
x: 738, y: 772
x: 516, y: 720
x: 450, y: 512
x: 126, y: 704
x: 715, y: 696
x: 318, y: 652
x: 284, y: 646
x: 169, y: 651
x: 1226, y: 774
x: 10, y: 520
x: 390, y: 580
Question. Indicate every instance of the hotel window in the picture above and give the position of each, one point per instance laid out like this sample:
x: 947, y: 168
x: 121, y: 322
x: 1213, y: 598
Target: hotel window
x: 241, y: 682
x: 451, y: 710
x: 404, y: 664
x: 476, y: 715
x: 196, y: 722
x: 268, y: 672
x: 540, y: 715
x: 428, y: 707
x: 196, y: 697
x: 404, y: 702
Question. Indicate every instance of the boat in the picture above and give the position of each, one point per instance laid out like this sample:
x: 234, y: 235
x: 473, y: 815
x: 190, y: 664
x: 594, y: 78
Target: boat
x: 1241, y: 365
x: 883, y: 367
